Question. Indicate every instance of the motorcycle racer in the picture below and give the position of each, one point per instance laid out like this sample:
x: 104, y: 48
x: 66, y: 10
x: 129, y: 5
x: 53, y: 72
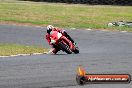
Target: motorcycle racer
x: 50, y: 28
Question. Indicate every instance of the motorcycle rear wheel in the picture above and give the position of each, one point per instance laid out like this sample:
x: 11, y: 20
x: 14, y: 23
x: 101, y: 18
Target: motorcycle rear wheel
x: 65, y: 48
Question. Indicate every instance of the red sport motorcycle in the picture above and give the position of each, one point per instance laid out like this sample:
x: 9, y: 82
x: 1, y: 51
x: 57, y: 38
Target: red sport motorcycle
x: 63, y: 43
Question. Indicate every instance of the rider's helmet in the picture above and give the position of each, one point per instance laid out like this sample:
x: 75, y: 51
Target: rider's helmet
x: 49, y: 28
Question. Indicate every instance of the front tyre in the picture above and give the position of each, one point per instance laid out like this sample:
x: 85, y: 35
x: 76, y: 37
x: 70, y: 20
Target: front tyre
x: 76, y: 51
x: 65, y: 48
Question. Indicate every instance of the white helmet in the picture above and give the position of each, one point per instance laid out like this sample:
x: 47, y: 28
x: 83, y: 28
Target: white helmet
x: 49, y: 28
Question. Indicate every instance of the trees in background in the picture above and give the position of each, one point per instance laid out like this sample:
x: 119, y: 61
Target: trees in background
x: 103, y: 2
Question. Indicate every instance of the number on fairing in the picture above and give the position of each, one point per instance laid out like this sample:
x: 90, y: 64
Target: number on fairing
x: 59, y: 35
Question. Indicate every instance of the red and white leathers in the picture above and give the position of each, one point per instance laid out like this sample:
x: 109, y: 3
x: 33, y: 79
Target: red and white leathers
x: 54, y: 49
x: 48, y: 35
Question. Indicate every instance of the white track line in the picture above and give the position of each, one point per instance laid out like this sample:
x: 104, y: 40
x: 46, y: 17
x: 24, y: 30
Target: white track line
x: 89, y: 29
x: 123, y: 31
x: 25, y: 54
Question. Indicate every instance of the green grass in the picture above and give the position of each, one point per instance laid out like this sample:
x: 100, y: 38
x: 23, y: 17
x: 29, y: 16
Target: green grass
x: 13, y: 49
x: 64, y: 15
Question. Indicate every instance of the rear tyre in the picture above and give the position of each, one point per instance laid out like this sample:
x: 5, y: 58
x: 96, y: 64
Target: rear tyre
x: 65, y: 48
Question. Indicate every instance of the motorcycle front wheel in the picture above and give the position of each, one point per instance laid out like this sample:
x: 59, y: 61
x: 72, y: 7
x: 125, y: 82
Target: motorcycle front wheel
x: 76, y: 51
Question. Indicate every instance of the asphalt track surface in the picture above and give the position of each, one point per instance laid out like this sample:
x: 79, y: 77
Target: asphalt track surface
x: 100, y: 52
